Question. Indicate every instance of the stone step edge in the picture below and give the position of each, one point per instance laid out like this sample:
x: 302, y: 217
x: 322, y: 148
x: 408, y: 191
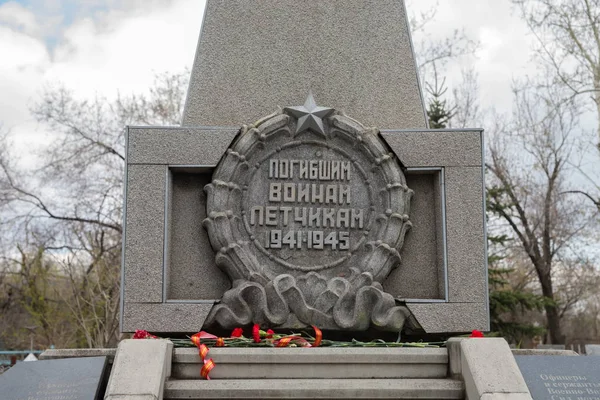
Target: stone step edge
x: 315, y: 389
x: 325, y: 355
x: 313, y: 371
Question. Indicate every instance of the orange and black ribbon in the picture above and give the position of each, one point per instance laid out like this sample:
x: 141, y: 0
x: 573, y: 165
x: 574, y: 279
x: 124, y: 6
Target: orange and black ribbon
x: 287, y: 340
x: 208, y: 364
x: 196, y: 339
x: 318, y: 336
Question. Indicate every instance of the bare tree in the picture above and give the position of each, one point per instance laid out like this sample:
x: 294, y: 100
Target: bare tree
x: 567, y: 34
x: 568, y: 38
x: 93, y: 291
x: 433, y: 54
x: 531, y: 160
x: 74, y: 197
x: 466, y: 102
x: 577, y: 280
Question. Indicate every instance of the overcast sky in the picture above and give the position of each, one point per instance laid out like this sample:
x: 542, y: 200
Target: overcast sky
x: 105, y: 46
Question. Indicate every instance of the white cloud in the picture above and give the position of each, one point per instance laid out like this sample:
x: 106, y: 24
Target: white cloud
x: 18, y: 17
x: 23, y: 63
x: 505, y: 46
x: 110, y: 51
x: 121, y: 50
x: 112, y: 46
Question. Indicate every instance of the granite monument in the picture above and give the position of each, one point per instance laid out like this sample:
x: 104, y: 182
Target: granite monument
x: 349, y: 214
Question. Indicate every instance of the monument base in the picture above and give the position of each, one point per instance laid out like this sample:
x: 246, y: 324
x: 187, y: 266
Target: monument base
x: 471, y: 368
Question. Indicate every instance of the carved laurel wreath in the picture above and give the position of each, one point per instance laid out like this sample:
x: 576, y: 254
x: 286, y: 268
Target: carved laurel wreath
x: 343, y: 293
x: 227, y: 222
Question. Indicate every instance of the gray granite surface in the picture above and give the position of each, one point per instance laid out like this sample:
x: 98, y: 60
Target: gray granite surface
x: 164, y: 317
x: 178, y: 146
x: 436, y: 148
x: 467, y: 267
x: 253, y: 56
x: 144, y: 233
x: 73, y: 378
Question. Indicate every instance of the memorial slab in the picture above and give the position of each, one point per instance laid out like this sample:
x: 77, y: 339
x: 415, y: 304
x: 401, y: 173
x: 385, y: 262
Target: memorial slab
x: 561, y: 377
x: 65, y: 379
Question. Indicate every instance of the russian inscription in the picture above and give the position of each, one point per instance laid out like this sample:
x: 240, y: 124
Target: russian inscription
x: 287, y: 206
x: 309, y: 205
x: 561, y: 377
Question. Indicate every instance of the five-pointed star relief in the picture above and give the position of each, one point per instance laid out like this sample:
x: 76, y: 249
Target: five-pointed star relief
x: 310, y: 116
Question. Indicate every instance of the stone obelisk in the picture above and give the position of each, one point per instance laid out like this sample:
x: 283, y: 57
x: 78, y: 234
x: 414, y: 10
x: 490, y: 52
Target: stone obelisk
x: 256, y: 55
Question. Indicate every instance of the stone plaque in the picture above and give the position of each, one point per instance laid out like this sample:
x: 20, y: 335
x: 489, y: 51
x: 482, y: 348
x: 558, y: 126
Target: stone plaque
x: 64, y: 379
x: 307, y: 212
x: 561, y: 377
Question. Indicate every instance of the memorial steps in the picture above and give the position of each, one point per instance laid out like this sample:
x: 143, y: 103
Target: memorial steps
x: 359, y: 373
x: 311, y: 389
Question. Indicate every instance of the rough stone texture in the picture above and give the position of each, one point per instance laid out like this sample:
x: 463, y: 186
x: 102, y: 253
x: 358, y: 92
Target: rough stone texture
x: 53, y: 354
x: 592, y: 349
x: 437, y: 148
x: 505, y: 396
x: 459, y: 152
x: 192, y: 258
x: 140, y: 369
x: 450, y: 317
x: 417, y: 277
x: 178, y: 146
x: 551, y: 346
x: 467, y: 266
x: 164, y: 317
x: 326, y: 355
x: 310, y: 389
x: 488, y: 367
x: 192, y: 271
x: 348, y: 52
x: 441, y: 262
x: 318, y: 363
x: 454, y: 356
x: 374, y: 370
x: 334, y: 281
x: 539, y: 352
x: 144, y: 236
x: 178, y: 286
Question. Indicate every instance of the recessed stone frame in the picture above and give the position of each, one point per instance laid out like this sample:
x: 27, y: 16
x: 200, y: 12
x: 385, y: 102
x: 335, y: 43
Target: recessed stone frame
x: 155, y: 155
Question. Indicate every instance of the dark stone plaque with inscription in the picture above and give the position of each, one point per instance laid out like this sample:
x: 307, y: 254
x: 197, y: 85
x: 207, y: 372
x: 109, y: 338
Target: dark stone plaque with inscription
x: 307, y: 212
x: 561, y: 377
x: 64, y: 379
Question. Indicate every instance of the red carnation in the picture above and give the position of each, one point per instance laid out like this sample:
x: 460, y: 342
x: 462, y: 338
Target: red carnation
x: 256, y: 333
x: 141, y: 334
x: 270, y: 333
x: 237, y: 332
x: 476, y: 334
